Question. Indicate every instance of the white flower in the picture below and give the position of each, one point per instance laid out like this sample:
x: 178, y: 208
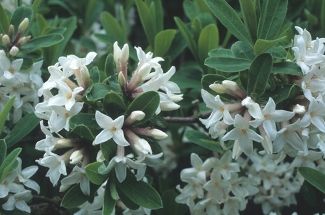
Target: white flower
x: 56, y: 165
x: 78, y: 175
x: 112, y: 129
x: 25, y: 175
x: 18, y: 200
x: 121, y: 56
x: 8, y: 69
x: 243, y: 134
x: 315, y: 114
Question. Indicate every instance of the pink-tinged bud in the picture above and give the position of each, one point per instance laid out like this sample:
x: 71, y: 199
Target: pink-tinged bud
x: 23, y: 26
x: 82, y: 77
x: 157, y: 134
x: 233, y: 89
x: 14, y: 51
x: 121, y: 79
x: 299, y: 109
x: 134, y: 117
x: 5, y: 40
x: 76, y: 156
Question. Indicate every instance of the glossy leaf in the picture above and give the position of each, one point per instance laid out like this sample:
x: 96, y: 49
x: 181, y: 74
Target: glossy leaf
x: 22, y: 129
x: 259, y: 73
x: 43, y: 42
x: 229, y: 18
x: 249, y: 14
x: 187, y: 35
x: 109, y: 202
x: 73, y: 197
x: 163, y: 41
x: 314, y: 177
x: 287, y: 68
x: 203, y: 140
x: 9, y: 163
x: 272, y: 17
x: 4, y: 20
x: 93, y: 175
x: 208, y: 40
x: 227, y: 64
x: 261, y: 46
x: 5, y: 111
x: 20, y: 14
x: 112, y: 27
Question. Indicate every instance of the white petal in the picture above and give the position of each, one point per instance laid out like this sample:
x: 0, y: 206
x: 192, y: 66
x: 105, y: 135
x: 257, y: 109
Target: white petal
x: 103, y: 120
x: 103, y: 136
x: 119, y: 138
x: 120, y: 171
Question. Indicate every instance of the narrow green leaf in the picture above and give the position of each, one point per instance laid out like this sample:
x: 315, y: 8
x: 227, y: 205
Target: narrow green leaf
x: 259, y: 73
x: 4, y: 20
x: 147, y: 21
x: 140, y: 193
x: 188, y: 36
x: 227, y: 64
x: 229, y: 18
x: 242, y: 49
x: 208, y: 40
x: 203, y: 140
x: 220, y: 52
x: 314, y: 177
x: 9, y: 163
x: 249, y: 13
x: 109, y: 69
x: 22, y: 129
x: 3, y: 150
x: 147, y: 102
x: 5, y: 112
x: 261, y: 46
x: 42, y: 42
x: 112, y: 28
x: 287, y: 68
x: 73, y: 197
x: 109, y: 202
x: 272, y: 17
x: 93, y: 174
x: 20, y: 14
x: 93, y: 8
x: 163, y: 41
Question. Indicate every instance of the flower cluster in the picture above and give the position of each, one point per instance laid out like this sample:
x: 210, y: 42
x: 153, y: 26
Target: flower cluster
x: 16, y: 186
x: 20, y: 84
x: 214, y: 186
x: 62, y: 94
x: 277, y: 181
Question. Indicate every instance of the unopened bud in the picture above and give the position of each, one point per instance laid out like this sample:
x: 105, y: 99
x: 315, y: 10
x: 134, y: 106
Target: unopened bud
x: 5, y: 40
x: 230, y: 85
x: 299, y: 109
x: 157, y: 134
x: 169, y: 106
x: 14, y: 51
x: 62, y: 143
x: 11, y: 30
x: 218, y: 88
x: 139, y: 144
x: 121, y: 79
x: 23, y: 25
x: 121, y: 56
x: 76, y: 156
x: 23, y: 40
x: 82, y: 76
x: 135, y: 116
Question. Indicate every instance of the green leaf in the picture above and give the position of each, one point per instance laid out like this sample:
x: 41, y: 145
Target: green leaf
x: 208, y: 40
x: 287, y: 68
x: 139, y: 193
x: 229, y: 18
x: 314, y: 177
x: 93, y: 8
x: 94, y: 74
x: 112, y: 27
x: 227, y: 64
x: 249, y: 14
x: 259, y: 73
x: 93, y: 174
x: 242, y: 50
x: 108, y: 149
x: 4, y: 20
x: 84, y: 125
x: 285, y: 92
x: 97, y: 92
x: 73, y: 197
x: 147, y: 102
x: 5, y: 112
x: 203, y: 140
x: 210, y: 79
x: 147, y: 20
x: 163, y: 41
x: 9, y: 163
x: 262, y: 46
x: 188, y: 36
x: 272, y: 17
x: 109, y: 202
x: 109, y: 68
x: 20, y: 14
x: 22, y: 129
x: 220, y: 52
x: 114, y: 104
x: 3, y: 150
x: 43, y: 42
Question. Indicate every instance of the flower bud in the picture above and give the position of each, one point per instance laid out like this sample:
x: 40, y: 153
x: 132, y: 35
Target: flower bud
x: 121, y: 56
x: 135, y: 116
x: 230, y: 85
x: 76, y: 156
x: 142, y: 146
x: 62, y: 143
x: 5, y: 40
x: 14, y: 51
x: 121, y: 79
x: 157, y: 134
x: 23, y: 40
x: 11, y: 30
x: 82, y: 76
x: 23, y: 26
x: 218, y: 88
x: 169, y: 106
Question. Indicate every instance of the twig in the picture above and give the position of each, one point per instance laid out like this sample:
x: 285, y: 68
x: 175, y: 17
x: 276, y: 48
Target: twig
x: 187, y: 119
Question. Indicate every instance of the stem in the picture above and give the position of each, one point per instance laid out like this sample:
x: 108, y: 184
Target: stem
x: 188, y: 119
